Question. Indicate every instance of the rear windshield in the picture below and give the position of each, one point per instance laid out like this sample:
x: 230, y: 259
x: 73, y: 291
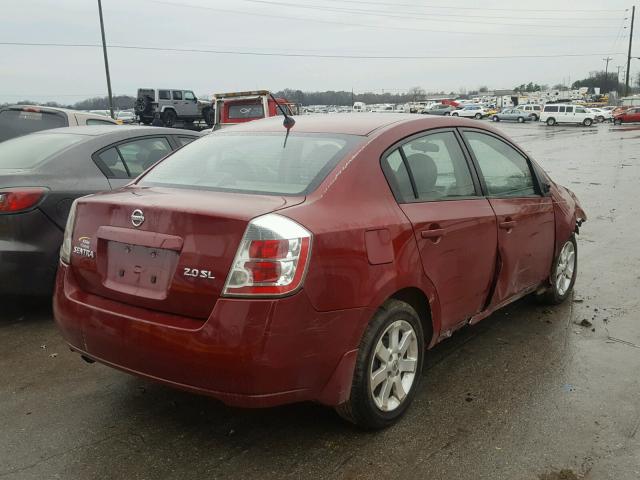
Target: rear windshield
x: 253, y: 163
x: 246, y: 110
x: 28, y: 152
x: 14, y: 123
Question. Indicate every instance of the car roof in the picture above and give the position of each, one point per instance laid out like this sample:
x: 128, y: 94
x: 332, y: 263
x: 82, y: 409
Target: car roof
x: 118, y: 130
x: 345, y: 123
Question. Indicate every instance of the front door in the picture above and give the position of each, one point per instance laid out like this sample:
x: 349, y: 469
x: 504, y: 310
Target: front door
x: 525, y: 216
x: 190, y: 104
x: 454, y: 226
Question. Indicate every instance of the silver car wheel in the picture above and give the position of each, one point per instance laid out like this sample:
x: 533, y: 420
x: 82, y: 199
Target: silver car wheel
x: 565, y: 268
x: 393, y: 366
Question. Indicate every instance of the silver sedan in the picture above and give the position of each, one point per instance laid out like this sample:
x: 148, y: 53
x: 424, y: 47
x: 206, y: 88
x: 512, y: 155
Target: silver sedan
x: 513, y: 115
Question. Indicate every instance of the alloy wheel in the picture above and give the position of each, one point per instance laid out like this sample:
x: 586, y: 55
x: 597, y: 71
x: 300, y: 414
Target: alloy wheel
x: 565, y: 268
x: 393, y: 366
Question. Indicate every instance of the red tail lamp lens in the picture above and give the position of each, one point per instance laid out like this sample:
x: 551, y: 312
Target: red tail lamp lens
x: 269, y: 249
x: 264, y: 272
x: 14, y: 200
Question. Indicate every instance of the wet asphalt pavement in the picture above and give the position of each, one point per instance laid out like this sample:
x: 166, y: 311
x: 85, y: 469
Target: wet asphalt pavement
x: 528, y: 393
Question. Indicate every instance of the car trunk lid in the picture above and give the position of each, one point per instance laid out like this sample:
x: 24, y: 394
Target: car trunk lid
x: 177, y: 258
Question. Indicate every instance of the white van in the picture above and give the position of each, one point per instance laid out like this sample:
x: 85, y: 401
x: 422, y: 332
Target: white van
x: 532, y: 109
x: 566, y: 113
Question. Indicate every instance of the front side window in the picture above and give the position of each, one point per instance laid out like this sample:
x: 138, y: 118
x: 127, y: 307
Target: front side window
x: 253, y: 163
x: 138, y: 155
x: 582, y: 110
x: 506, y: 172
x: 439, y: 167
x: 189, y: 96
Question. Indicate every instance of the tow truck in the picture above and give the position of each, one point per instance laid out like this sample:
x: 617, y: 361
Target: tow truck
x: 233, y: 108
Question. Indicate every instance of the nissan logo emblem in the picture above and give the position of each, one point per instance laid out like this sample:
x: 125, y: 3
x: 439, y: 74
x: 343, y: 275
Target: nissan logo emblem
x: 137, y: 218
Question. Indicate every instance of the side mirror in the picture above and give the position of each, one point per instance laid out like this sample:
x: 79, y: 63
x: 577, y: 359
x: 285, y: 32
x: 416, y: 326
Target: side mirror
x: 546, y: 187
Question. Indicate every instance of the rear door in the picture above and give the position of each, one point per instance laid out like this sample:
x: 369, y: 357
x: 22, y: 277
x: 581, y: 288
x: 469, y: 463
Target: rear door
x: 454, y: 226
x: 526, y: 225
x: 177, y: 102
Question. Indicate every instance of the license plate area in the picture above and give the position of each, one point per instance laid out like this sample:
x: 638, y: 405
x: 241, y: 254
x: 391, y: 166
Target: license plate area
x: 138, y: 270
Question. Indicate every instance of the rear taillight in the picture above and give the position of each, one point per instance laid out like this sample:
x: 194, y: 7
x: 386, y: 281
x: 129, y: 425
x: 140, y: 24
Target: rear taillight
x: 14, y: 200
x: 65, y: 249
x: 271, y: 260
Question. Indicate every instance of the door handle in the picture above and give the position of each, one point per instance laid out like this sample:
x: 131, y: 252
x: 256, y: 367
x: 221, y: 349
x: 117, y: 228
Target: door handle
x: 434, y: 233
x: 508, y: 224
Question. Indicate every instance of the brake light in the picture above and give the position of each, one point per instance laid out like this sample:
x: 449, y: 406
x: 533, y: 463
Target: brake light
x: 271, y: 260
x: 13, y: 200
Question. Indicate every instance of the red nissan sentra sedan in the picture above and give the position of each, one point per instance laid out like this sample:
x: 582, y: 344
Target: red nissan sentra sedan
x: 264, y: 273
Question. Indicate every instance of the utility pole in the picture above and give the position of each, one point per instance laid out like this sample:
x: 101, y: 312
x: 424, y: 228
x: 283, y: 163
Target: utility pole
x: 606, y: 74
x: 626, y: 80
x: 106, y: 59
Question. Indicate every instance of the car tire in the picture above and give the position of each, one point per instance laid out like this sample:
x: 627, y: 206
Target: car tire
x: 617, y: 121
x: 454, y: 114
x: 565, y: 266
x: 535, y: 117
x: 587, y: 122
x: 446, y: 114
x: 601, y: 118
x: 169, y: 118
x: 520, y: 119
x: 495, y: 118
x: 366, y: 406
x: 551, y: 121
x: 143, y: 105
x: 207, y: 115
x: 478, y: 116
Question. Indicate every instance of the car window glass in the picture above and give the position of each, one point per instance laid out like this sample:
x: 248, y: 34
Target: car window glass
x: 111, y: 164
x: 14, y: 123
x: 396, y: 172
x: 189, y: 96
x: 184, y: 140
x: 245, y: 110
x: 551, y: 109
x: 253, y: 163
x: 439, y: 167
x: 506, y: 172
x: 582, y: 110
x: 164, y: 95
x: 570, y: 109
x: 97, y: 121
x: 177, y: 95
x: 142, y: 153
x: 561, y: 109
x: 29, y: 151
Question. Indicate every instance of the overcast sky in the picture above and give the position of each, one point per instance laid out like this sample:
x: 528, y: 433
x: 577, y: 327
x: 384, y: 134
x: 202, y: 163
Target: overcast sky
x: 316, y: 27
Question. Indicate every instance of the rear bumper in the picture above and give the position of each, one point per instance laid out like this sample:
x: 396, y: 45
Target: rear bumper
x: 29, y: 244
x: 248, y: 353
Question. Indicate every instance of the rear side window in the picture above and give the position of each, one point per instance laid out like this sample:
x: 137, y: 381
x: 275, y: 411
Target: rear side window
x: 177, y: 95
x: 182, y: 141
x: 439, y: 167
x: 112, y: 164
x: 96, y: 121
x: 14, y: 123
x: 553, y: 108
x: 164, y: 95
x: 253, y: 163
x: 140, y: 154
x: 396, y: 172
x: 570, y: 109
x: 29, y: 151
x: 506, y: 172
x: 246, y: 110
